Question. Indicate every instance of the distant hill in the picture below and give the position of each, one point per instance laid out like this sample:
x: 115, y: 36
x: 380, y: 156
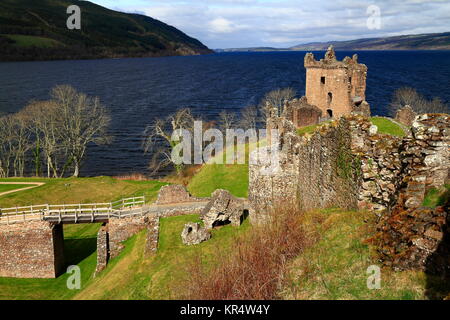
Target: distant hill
x: 431, y: 41
x: 36, y: 30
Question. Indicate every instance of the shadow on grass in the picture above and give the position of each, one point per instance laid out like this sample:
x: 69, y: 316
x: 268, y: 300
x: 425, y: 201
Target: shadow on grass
x: 76, y: 250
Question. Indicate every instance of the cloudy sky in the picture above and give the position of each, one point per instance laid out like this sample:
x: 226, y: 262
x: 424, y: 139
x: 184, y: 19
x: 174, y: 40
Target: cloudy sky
x: 284, y: 23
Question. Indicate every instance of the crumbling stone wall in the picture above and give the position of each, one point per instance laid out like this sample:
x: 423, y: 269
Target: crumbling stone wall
x: 301, y: 113
x: 411, y: 236
x: 381, y: 165
x: 313, y: 171
x: 175, y: 193
x: 405, y: 115
x: 102, y: 248
x: 347, y: 163
x: 31, y: 250
x: 120, y: 230
x: 409, y: 239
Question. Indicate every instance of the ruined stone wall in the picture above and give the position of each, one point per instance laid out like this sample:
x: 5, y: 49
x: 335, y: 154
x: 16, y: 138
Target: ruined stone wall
x: 411, y: 236
x: 120, y: 230
x: 175, y: 193
x: 381, y: 166
x: 347, y: 163
x: 314, y: 171
x: 31, y: 250
x: 102, y: 249
x: 328, y: 172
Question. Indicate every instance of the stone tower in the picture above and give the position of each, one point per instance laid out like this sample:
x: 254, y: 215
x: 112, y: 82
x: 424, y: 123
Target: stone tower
x: 335, y: 87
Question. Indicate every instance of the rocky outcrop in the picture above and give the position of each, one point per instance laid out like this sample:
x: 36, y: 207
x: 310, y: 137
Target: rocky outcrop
x: 194, y: 233
x: 223, y: 208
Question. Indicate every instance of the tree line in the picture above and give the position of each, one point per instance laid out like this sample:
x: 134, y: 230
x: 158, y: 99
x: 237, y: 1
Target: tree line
x: 50, y: 138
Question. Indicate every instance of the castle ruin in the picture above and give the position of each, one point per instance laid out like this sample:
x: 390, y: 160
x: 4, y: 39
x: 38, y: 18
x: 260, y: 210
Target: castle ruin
x: 335, y: 87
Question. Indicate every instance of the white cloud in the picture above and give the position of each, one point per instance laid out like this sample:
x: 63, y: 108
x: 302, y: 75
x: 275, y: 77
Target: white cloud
x: 222, y: 25
x: 282, y: 23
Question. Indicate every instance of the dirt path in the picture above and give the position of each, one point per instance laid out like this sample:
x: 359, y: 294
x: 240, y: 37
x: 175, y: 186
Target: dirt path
x: 32, y: 185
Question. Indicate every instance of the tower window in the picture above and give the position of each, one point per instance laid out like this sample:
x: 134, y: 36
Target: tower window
x: 330, y: 113
x: 350, y: 79
x: 322, y: 80
x: 330, y: 97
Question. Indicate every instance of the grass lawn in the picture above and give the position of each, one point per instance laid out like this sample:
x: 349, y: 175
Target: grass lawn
x: 10, y: 187
x: 33, y: 41
x: 162, y: 275
x: 387, y: 126
x: 79, y: 190
x: 80, y: 244
x: 233, y: 178
x: 336, y: 267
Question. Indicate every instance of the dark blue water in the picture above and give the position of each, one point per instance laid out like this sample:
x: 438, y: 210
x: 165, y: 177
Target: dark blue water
x: 138, y: 90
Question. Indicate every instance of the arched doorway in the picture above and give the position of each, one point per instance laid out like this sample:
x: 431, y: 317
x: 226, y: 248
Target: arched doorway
x: 330, y: 113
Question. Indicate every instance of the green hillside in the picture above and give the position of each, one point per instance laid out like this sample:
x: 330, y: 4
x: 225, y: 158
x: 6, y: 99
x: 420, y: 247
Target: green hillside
x: 36, y: 30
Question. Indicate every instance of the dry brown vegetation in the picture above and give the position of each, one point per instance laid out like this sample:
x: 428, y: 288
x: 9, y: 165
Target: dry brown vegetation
x: 257, y: 265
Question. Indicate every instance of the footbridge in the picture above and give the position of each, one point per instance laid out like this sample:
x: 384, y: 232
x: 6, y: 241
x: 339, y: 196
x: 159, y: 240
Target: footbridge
x: 32, y: 237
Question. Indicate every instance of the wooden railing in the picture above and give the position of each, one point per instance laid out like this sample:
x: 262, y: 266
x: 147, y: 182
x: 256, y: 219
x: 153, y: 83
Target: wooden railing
x: 73, y: 212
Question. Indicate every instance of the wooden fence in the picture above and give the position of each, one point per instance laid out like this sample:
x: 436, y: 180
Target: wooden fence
x: 73, y: 212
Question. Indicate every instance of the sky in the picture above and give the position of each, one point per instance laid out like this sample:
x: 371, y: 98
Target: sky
x: 286, y: 23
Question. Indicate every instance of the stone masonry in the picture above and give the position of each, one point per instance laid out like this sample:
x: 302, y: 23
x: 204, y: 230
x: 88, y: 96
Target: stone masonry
x: 175, y: 193
x: 32, y: 250
x: 335, y: 87
x: 347, y: 163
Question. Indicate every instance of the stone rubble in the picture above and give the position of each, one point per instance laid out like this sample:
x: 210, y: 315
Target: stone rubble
x: 194, y: 233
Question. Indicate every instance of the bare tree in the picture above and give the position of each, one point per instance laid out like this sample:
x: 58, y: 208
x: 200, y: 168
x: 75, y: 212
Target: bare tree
x: 6, y: 144
x: 249, y: 117
x: 276, y: 99
x: 14, y: 144
x: 83, y: 120
x: 159, y: 141
x: 227, y: 120
x: 409, y: 96
x: 44, y: 121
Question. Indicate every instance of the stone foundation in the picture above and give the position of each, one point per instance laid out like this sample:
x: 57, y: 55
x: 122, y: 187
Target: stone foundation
x: 31, y: 250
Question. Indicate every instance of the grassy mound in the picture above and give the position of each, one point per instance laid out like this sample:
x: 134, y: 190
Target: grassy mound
x: 336, y: 267
x: 79, y: 190
x: 233, y: 178
x: 387, y: 126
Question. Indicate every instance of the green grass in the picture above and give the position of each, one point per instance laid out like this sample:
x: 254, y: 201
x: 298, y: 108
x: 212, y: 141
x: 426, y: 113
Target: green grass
x: 158, y: 276
x: 233, y: 178
x: 437, y: 197
x: 308, y: 129
x: 33, y: 41
x: 10, y: 187
x: 79, y: 249
x: 387, y: 126
x: 335, y: 268
x: 79, y: 190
